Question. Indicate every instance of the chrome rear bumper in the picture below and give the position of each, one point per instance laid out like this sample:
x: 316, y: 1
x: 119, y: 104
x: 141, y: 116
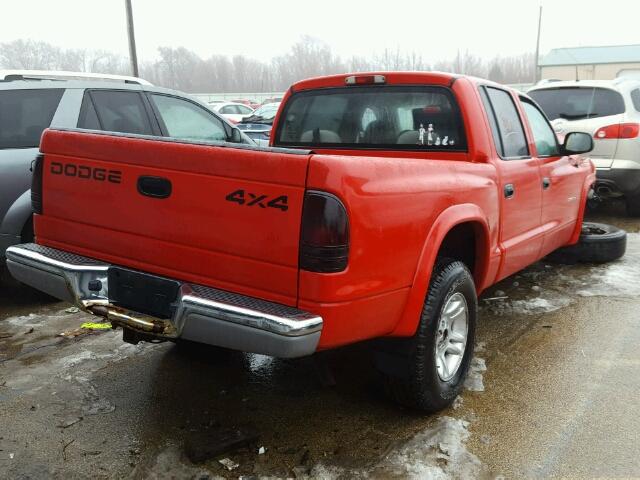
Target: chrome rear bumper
x: 201, y: 314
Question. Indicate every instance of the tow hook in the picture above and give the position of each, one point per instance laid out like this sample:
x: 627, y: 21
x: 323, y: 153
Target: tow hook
x: 126, y: 319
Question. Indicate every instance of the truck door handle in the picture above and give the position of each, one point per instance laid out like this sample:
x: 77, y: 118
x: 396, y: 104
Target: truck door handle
x: 546, y: 183
x: 156, y: 187
x: 509, y: 190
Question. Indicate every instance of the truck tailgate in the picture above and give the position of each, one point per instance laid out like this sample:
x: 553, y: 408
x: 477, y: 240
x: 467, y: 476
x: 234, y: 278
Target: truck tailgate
x: 223, y: 216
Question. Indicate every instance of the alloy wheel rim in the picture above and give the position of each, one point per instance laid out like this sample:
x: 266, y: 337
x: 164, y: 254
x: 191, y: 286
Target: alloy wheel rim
x: 451, y: 336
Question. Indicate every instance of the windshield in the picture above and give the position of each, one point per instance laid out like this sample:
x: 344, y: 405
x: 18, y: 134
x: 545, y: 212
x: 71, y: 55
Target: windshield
x: 394, y: 117
x: 577, y: 103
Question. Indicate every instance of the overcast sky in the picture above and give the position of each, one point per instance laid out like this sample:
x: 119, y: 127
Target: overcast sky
x: 264, y: 29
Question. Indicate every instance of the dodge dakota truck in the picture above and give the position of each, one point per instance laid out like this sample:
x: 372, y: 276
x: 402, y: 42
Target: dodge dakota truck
x: 384, y: 205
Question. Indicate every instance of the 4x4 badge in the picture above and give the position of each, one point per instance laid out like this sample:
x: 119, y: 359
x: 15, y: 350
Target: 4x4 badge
x: 252, y: 199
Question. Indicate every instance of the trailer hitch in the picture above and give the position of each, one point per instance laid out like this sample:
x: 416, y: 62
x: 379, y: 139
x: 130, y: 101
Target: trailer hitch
x: 120, y: 317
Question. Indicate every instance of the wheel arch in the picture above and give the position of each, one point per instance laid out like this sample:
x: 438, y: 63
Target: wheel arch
x: 455, y: 227
x: 589, y: 181
x: 18, y: 214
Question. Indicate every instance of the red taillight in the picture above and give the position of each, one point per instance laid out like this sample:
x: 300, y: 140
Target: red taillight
x: 619, y: 130
x: 364, y: 79
x: 324, y: 237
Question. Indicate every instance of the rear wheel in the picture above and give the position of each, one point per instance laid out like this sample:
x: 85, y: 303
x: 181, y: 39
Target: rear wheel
x: 598, y: 243
x: 427, y: 371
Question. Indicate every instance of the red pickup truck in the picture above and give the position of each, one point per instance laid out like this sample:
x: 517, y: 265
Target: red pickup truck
x: 386, y: 203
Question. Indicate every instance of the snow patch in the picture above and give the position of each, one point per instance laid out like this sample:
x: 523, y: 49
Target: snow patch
x: 76, y: 359
x: 534, y: 306
x: 474, y: 381
x: 620, y: 278
x: 436, y: 453
x: 528, y: 306
x: 25, y: 320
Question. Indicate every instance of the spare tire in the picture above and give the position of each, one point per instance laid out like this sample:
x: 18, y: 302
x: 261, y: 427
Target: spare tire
x: 598, y: 243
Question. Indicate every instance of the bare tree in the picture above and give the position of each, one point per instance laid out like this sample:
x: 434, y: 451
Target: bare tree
x: 30, y: 55
x: 183, y: 69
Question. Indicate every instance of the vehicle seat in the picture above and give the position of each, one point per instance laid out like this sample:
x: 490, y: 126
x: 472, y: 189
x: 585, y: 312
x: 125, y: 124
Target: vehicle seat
x: 379, y: 132
x: 408, y: 137
x: 124, y: 125
x: 320, y: 136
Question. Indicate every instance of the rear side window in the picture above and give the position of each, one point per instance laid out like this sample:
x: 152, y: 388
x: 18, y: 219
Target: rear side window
x: 24, y: 114
x: 511, y: 142
x: 578, y: 103
x: 381, y: 117
x: 188, y: 121
x: 114, y: 111
x: 635, y: 98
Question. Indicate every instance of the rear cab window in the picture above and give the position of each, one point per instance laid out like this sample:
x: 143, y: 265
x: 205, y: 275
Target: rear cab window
x: 367, y: 117
x: 24, y: 114
x: 578, y: 103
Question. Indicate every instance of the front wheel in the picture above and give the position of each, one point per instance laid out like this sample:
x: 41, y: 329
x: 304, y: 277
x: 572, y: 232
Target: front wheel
x: 427, y: 371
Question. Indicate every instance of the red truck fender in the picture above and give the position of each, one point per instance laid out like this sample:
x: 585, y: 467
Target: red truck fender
x: 447, y: 220
x: 588, y: 183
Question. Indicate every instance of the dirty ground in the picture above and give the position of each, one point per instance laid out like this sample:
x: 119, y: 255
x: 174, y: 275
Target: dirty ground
x: 553, y: 392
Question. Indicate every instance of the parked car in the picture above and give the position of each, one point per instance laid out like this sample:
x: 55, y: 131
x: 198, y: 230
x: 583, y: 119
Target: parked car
x: 609, y: 111
x: 235, y: 112
x: 250, y: 103
x: 386, y: 204
x: 31, y: 101
x: 258, y: 126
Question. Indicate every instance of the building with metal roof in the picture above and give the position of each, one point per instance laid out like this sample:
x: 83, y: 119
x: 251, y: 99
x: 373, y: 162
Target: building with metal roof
x: 591, y: 63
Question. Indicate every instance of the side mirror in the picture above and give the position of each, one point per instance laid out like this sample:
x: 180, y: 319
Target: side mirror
x: 576, y: 143
x: 236, y: 136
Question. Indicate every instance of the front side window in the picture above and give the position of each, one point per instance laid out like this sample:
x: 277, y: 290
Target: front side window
x: 244, y: 110
x: 24, y: 114
x: 512, y: 143
x: 543, y: 134
x: 578, y: 103
x: 114, y: 111
x: 382, y: 117
x: 188, y: 121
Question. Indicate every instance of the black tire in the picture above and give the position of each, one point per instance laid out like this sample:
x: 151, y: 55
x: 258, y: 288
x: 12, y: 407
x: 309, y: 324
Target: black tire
x: 598, y: 243
x: 632, y: 204
x: 408, y: 366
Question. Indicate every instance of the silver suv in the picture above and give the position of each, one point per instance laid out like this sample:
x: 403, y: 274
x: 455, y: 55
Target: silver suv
x: 31, y: 101
x: 609, y: 110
